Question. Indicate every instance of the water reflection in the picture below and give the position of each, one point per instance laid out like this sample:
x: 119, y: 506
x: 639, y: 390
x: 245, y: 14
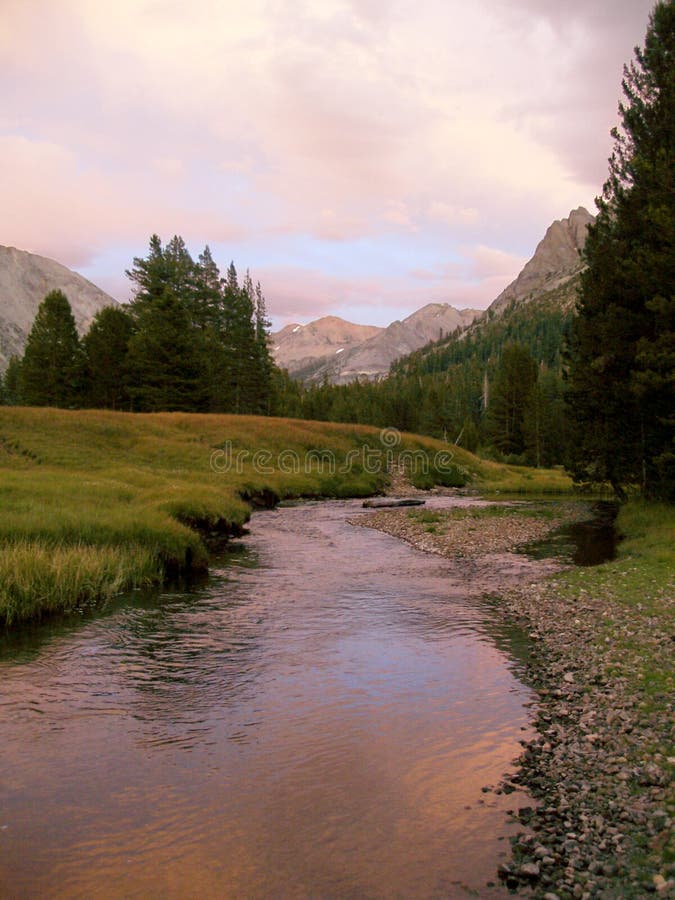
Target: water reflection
x: 587, y: 543
x: 316, y: 719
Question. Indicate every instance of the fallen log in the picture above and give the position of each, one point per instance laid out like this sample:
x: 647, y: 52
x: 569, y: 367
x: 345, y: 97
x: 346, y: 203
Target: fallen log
x: 380, y: 502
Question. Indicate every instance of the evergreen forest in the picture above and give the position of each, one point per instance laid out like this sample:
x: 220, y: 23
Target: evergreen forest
x: 582, y: 376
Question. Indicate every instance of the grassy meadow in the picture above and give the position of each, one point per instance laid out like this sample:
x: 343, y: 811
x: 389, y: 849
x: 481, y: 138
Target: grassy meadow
x: 640, y: 586
x: 96, y: 502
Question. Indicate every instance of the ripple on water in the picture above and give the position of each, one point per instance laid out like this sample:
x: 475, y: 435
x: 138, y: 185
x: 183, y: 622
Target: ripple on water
x: 317, y: 719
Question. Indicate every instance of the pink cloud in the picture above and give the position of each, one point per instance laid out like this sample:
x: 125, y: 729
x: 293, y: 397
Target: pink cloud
x: 54, y: 206
x: 299, y: 295
x: 254, y: 119
x: 478, y: 267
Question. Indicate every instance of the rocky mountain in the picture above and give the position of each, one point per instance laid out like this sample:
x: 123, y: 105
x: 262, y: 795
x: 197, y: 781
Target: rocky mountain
x: 305, y: 348
x: 25, y: 280
x: 534, y: 310
x: 556, y: 261
x: 341, y: 351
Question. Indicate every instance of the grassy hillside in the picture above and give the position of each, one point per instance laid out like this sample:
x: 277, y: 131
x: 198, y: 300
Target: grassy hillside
x: 94, y: 503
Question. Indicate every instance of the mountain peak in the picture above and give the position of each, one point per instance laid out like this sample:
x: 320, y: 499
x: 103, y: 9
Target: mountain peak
x: 342, y: 351
x: 25, y: 280
x: 303, y: 347
x: 556, y: 259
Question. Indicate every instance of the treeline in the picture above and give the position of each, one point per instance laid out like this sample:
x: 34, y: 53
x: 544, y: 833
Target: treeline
x: 539, y: 384
x: 497, y: 388
x: 540, y: 324
x: 189, y: 340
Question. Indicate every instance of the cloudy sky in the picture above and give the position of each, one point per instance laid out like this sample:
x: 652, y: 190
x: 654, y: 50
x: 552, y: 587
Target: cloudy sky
x: 361, y: 157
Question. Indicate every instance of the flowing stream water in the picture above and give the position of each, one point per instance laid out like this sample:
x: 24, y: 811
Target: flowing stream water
x: 315, y: 720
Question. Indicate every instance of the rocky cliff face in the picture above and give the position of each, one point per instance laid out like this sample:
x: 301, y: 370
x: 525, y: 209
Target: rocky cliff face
x: 556, y: 260
x: 341, y: 351
x: 25, y: 280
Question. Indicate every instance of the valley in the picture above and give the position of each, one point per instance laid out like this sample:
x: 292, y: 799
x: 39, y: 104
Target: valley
x: 295, y: 605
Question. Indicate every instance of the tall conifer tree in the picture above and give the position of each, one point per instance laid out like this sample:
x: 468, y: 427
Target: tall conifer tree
x: 622, y: 346
x: 12, y: 382
x: 51, y: 370
x: 164, y: 361
x: 106, y: 345
x: 510, y: 395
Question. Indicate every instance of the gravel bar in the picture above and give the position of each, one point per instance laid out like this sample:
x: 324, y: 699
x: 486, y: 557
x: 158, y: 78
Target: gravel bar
x: 599, y: 768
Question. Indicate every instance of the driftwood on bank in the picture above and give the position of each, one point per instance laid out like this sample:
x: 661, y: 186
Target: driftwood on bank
x: 380, y: 502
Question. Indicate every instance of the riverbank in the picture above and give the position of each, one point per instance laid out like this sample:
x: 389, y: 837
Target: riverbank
x: 95, y: 503
x: 601, y: 764
x: 477, y: 531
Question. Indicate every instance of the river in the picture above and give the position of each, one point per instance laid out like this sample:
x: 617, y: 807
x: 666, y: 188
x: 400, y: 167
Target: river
x: 316, y: 719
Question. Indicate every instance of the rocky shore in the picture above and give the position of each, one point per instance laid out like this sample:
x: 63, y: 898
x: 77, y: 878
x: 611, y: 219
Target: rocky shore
x: 599, y: 768
x: 465, y: 532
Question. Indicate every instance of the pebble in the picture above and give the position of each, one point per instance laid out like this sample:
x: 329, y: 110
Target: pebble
x: 529, y: 870
x: 599, y: 786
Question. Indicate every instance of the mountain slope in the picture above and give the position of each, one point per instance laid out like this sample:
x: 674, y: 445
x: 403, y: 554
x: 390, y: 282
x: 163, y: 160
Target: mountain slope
x: 540, y: 325
x: 306, y: 348
x: 375, y: 357
x: 340, y: 352
x: 534, y: 309
x: 25, y: 280
x: 556, y: 260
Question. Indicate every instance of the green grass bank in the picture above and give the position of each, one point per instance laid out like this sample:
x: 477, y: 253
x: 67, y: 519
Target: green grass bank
x: 94, y: 503
x: 639, y: 586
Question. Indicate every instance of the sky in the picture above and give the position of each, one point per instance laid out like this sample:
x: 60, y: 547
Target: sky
x: 361, y: 157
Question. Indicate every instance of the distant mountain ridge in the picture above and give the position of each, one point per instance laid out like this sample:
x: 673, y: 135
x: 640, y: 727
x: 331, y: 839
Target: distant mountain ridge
x: 534, y: 309
x: 329, y: 348
x: 25, y: 280
x: 340, y: 354
x: 339, y: 351
x: 305, y: 348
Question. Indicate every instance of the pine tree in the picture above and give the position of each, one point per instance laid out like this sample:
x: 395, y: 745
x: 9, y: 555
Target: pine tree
x: 264, y: 357
x: 169, y: 267
x: 169, y: 283
x: 621, y: 360
x: 150, y: 275
x: 11, y: 383
x: 164, y: 359
x: 51, y: 369
x: 106, y: 345
x: 208, y: 291
x: 545, y: 423
x: 183, y: 271
x: 241, y: 349
x: 211, y: 319
x: 509, y: 398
